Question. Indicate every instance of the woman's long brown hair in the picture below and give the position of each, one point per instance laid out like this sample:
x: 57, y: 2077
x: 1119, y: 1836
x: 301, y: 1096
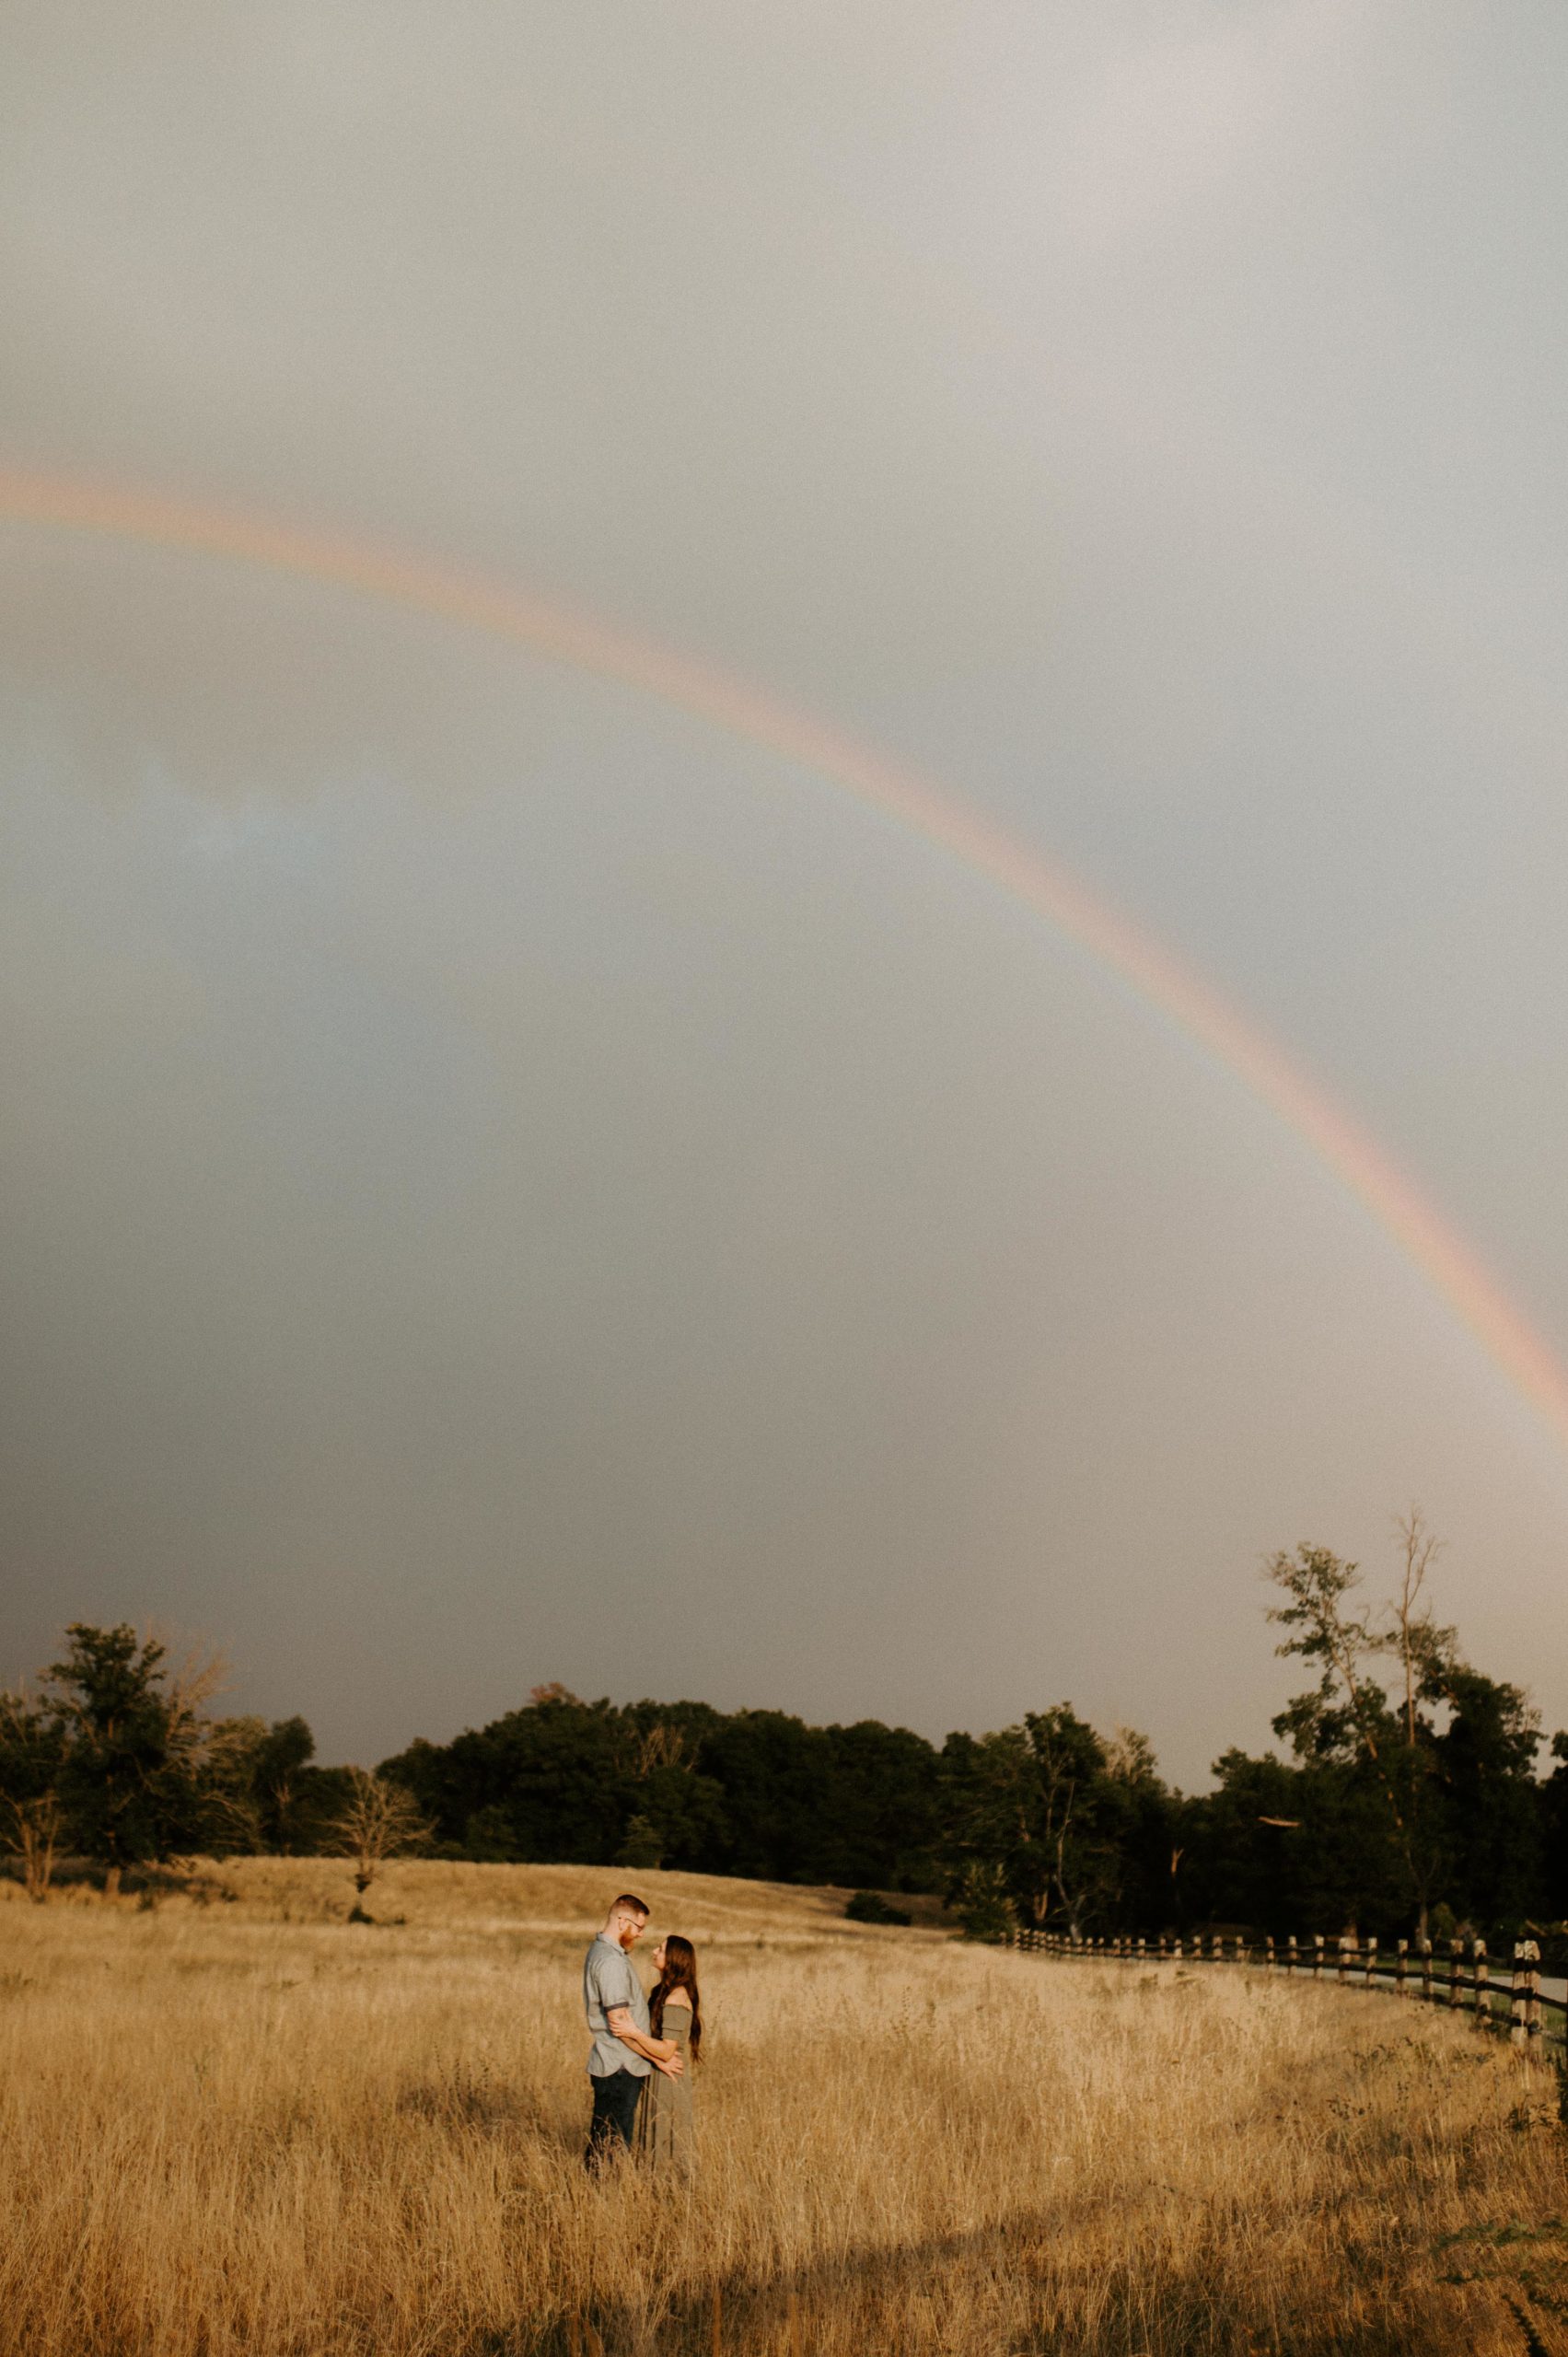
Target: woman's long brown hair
x: 679, y: 1972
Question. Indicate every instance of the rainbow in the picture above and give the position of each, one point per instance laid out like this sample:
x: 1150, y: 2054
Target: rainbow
x: 1173, y: 989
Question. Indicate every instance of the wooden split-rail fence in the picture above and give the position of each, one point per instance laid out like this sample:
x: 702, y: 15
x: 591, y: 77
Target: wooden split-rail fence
x: 1461, y: 1978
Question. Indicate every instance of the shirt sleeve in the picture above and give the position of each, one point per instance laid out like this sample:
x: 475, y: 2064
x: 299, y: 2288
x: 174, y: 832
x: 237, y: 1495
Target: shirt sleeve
x: 612, y: 1976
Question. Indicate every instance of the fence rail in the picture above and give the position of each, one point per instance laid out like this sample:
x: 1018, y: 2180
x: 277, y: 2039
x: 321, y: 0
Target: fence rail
x: 1513, y: 2001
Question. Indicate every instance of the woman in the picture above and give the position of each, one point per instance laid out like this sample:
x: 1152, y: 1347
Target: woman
x: 664, y: 2134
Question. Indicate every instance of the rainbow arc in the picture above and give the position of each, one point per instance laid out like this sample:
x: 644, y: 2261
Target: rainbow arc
x: 899, y: 793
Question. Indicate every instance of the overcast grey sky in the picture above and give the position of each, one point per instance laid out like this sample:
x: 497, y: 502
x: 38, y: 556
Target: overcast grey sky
x: 503, y: 1182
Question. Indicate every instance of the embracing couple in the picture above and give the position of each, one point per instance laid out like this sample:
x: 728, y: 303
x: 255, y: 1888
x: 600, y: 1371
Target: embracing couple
x: 643, y: 2045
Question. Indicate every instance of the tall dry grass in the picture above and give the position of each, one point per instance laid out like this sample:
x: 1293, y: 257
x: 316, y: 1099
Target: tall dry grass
x: 248, y: 2128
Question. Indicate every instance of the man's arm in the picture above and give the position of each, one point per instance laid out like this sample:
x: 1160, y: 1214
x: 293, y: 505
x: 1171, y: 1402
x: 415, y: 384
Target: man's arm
x: 662, y: 2052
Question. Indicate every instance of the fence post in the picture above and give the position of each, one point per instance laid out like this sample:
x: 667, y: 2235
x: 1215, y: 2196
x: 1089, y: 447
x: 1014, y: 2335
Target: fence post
x: 1316, y: 1956
x: 1516, y: 1993
x: 1269, y: 1951
x: 1371, y: 1973
x: 1483, y: 1993
x: 1532, y: 1996
x: 1142, y: 1947
x: 1340, y: 1969
x: 1402, y: 1966
x: 1456, y: 1957
x: 1426, y: 1969
x: 1291, y: 1957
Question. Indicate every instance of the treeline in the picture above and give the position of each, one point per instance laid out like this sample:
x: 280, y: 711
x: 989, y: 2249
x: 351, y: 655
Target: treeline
x: 1407, y: 1794
x: 679, y: 1784
x: 116, y: 1759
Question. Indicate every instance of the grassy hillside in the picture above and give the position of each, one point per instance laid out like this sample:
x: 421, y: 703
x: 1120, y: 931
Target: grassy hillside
x: 568, y: 1899
x: 245, y: 2128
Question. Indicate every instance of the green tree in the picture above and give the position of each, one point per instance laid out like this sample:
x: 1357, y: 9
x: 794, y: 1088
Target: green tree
x: 1395, y: 1801
x: 136, y: 1780
x: 1484, y: 1784
x: 1043, y: 1811
x: 1345, y: 1720
x: 1552, y: 1808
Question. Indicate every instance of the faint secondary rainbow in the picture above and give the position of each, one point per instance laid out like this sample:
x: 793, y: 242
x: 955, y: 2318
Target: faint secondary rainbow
x: 555, y: 632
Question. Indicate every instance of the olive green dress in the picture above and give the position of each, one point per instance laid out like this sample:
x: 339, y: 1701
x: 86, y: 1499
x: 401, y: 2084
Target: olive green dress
x: 664, y: 2134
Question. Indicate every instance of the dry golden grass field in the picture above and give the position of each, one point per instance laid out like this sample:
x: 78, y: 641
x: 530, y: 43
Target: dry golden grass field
x: 247, y: 2127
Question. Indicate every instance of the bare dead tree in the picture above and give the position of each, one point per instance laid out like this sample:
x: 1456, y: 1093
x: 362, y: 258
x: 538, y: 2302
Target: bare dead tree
x: 1413, y: 1636
x: 33, y: 1756
x: 662, y: 1746
x: 379, y: 1820
x: 31, y: 1830
x: 207, y: 1753
x: 189, y: 1688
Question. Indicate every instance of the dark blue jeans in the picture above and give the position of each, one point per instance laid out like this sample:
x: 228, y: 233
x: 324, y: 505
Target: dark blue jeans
x: 615, y: 2114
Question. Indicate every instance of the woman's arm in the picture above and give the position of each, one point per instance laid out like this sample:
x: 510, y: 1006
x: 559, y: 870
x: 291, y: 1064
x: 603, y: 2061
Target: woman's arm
x: 662, y: 2052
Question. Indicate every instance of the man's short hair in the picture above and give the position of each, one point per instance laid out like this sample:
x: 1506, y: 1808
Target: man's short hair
x: 631, y: 1903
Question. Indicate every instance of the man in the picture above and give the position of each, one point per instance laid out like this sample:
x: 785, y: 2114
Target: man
x: 624, y: 2050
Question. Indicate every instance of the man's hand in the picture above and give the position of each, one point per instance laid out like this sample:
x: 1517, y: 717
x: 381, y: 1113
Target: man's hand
x: 659, y: 2051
